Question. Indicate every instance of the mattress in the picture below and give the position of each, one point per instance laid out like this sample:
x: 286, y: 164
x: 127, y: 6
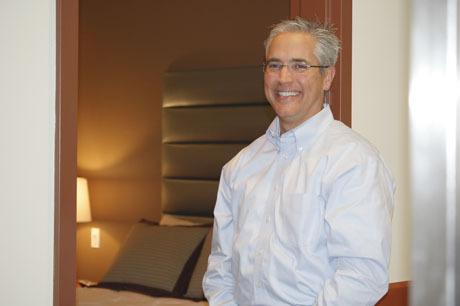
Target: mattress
x: 107, y: 297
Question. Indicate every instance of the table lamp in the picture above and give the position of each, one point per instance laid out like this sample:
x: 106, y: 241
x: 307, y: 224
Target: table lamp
x: 83, y: 204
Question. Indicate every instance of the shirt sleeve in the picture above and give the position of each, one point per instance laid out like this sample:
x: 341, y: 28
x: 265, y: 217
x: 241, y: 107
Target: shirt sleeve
x: 358, y: 216
x: 218, y: 281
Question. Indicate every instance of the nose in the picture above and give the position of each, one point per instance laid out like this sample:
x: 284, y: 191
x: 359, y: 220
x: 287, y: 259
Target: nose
x: 285, y: 74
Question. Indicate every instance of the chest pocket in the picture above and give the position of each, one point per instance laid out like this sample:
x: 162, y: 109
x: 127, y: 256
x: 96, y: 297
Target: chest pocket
x: 299, y: 219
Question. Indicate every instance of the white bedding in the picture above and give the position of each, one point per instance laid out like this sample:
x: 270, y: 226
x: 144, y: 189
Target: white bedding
x: 107, y: 297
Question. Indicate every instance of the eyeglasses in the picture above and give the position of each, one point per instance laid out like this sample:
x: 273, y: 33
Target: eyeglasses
x: 293, y: 66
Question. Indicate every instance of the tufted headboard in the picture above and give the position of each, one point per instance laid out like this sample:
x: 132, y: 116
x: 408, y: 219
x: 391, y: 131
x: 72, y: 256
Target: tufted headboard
x: 207, y: 117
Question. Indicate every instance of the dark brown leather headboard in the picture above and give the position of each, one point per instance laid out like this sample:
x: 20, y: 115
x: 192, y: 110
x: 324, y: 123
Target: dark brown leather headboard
x: 208, y: 116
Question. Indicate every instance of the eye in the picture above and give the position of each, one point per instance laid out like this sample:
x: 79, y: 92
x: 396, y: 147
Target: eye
x: 300, y: 67
x: 274, y: 66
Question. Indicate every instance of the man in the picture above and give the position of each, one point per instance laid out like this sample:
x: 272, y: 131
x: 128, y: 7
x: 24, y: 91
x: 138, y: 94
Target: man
x: 303, y: 214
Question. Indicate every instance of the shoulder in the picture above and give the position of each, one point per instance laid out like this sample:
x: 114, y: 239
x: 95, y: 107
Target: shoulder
x: 348, y: 151
x: 354, y: 167
x: 340, y: 140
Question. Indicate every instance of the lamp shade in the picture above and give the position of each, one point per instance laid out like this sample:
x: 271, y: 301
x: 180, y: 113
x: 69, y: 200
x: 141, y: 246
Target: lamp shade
x: 83, y: 205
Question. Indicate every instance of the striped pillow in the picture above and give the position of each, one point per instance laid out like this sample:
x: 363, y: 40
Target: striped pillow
x: 156, y: 260
x: 195, y: 287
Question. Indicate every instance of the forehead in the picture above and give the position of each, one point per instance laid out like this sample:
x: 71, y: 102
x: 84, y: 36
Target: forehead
x: 287, y: 46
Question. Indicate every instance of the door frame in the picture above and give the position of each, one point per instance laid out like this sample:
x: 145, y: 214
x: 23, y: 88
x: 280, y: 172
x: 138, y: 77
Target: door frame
x: 67, y: 23
x: 67, y: 12
x: 337, y: 13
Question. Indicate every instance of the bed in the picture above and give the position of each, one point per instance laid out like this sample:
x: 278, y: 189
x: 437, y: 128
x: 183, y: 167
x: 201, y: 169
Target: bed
x: 207, y: 117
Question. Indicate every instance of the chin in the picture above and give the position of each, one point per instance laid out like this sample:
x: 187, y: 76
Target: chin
x: 285, y: 115
x: 285, y: 108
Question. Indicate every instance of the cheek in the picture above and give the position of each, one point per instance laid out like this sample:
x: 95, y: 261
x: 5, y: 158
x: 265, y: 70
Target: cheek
x: 313, y: 85
x: 267, y: 80
x: 266, y: 89
x: 306, y: 87
x: 268, y: 85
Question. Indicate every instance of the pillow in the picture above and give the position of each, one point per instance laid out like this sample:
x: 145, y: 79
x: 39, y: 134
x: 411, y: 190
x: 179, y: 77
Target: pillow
x: 195, y: 287
x: 156, y: 260
x: 177, y: 220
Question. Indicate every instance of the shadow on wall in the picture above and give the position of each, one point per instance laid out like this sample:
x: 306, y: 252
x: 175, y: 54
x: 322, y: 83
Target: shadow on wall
x: 124, y: 51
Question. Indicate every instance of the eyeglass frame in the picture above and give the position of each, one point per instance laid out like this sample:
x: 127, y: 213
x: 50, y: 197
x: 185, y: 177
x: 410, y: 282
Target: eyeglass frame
x: 290, y: 66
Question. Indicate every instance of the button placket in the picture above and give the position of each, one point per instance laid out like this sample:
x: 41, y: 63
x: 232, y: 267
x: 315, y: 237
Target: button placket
x: 262, y: 254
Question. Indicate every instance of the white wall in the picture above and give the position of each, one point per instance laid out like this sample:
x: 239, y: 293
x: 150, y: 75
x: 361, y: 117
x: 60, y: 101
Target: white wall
x: 380, y: 104
x: 27, y: 120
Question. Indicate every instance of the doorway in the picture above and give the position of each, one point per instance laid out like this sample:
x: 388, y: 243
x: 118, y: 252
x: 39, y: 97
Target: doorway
x: 66, y: 134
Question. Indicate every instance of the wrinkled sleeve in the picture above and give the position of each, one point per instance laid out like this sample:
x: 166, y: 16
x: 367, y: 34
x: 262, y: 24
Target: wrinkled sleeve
x: 218, y: 282
x: 358, y: 217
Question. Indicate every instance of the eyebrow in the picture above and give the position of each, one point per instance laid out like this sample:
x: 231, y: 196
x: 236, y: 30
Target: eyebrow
x: 274, y: 59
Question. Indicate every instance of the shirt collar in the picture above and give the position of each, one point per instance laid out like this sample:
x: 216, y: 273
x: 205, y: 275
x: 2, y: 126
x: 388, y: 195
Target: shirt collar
x: 301, y: 137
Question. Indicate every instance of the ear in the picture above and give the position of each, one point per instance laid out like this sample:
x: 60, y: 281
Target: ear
x: 329, y: 74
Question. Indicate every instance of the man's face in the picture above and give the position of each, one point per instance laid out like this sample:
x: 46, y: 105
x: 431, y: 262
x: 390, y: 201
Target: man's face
x: 295, y: 96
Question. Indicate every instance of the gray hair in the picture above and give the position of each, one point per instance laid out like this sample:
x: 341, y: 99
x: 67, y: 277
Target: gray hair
x: 327, y: 44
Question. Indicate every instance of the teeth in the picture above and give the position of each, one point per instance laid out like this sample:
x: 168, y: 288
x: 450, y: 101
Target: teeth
x: 288, y: 93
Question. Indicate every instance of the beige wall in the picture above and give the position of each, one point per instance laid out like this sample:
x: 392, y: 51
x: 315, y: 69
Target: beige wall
x: 124, y: 50
x: 27, y: 121
x: 93, y: 263
x: 380, y: 103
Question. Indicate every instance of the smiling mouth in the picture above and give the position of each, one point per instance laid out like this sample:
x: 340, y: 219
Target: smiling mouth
x: 287, y: 93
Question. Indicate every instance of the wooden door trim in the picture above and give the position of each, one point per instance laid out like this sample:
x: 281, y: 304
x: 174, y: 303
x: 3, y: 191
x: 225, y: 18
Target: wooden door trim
x: 398, y: 295
x: 66, y: 130
x: 65, y: 152
x: 339, y: 14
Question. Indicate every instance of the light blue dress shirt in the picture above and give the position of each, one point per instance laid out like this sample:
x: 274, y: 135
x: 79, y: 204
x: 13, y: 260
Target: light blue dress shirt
x: 302, y: 218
